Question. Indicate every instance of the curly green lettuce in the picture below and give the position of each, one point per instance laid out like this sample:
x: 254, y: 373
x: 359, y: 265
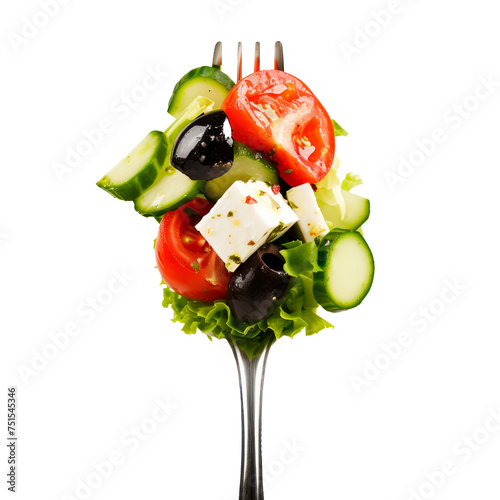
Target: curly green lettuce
x: 297, y: 313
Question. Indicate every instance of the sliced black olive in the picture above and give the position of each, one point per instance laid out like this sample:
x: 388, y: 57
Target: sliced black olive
x: 259, y: 285
x: 204, y: 149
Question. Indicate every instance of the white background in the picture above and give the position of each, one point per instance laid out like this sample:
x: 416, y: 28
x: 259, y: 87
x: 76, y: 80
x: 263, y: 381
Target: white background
x: 61, y: 240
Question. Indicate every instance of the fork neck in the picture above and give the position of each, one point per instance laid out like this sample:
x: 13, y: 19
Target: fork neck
x: 251, y: 378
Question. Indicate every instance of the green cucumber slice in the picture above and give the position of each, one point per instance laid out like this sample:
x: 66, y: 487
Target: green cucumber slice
x: 135, y: 173
x: 205, y: 81
x: 347, y: 270
x: 247, y: 165
x: 169, y: 192
x: 357, y: 211
x: 173, y: 188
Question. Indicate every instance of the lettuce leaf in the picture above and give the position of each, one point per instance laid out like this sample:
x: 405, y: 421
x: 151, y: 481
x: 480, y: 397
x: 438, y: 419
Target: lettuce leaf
x: 329, y: 190
x: 297, y: 313
x: 351, y: 180
x: 301, y: 258
x: 338, y: 129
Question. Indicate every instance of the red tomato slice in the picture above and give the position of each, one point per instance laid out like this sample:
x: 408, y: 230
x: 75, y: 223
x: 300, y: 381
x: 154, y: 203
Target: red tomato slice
x: 187, y: 263
x: 274, y: 112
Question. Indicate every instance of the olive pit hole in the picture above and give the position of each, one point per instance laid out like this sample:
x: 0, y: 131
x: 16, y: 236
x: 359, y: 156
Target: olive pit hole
x: 273, y: 262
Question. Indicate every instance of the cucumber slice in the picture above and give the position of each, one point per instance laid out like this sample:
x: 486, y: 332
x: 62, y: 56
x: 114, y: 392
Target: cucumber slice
x: 247, y: 165
x: 169, y: 192
x: 357, y: 211
x: 347, y: 270
x: 135, y: 173
x: 205, y: 81
x: 173, y: 188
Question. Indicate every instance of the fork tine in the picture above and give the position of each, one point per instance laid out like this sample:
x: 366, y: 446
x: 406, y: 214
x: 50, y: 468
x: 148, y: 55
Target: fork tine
x: 279, y: 60
x: 256, y: 63
x: 239, y: 69
x: 217, y: 59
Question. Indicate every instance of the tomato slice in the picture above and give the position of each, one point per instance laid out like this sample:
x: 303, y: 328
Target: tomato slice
x: 186, y: 261
x: 274, y: 112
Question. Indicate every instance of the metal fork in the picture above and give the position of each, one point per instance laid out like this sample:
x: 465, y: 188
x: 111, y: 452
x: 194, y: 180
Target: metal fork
x: 279, y: 61
x: 251, y: 371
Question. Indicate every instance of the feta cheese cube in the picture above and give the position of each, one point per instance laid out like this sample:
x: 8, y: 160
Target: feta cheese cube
x: 311, y: 221
x: 247, y: 215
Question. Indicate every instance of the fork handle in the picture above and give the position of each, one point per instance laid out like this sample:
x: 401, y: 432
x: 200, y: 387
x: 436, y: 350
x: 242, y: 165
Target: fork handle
x: 251, y: 378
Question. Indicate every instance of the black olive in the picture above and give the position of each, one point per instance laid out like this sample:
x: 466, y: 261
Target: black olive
x: 259, y: 285
x: 284, y: 186
x: 204, y: 149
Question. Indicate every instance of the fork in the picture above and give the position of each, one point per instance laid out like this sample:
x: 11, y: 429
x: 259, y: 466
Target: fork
x: 279, y: 62
x: 251, y: 371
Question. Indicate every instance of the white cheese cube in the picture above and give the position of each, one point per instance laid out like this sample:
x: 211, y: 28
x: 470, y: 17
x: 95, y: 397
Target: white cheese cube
x: 247, y: 215
x: 311, y: 221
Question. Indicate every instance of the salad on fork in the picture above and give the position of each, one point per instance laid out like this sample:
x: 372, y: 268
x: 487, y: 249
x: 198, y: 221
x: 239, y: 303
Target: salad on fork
x: 256, y: 231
